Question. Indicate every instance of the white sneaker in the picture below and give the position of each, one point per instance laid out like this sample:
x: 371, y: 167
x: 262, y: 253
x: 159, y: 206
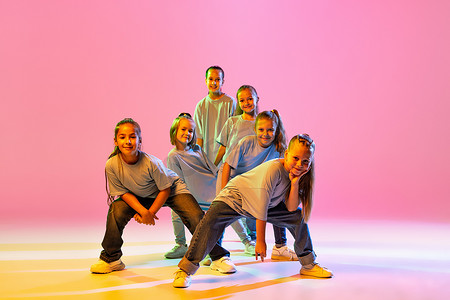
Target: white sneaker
x: 223, y: 265
x: 182, y: 279
x: 283, y: 253
x: 206, y: 261
x: 102, y: 267
x: 250, y: 248
x: 177, y: 252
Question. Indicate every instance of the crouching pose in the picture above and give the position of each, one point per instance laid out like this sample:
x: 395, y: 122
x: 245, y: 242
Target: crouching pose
x: 143, y: 185
x: 271, y: 192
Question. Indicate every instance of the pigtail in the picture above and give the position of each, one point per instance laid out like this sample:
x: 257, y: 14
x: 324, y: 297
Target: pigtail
x: 280, y: 133
x: 110, y: 199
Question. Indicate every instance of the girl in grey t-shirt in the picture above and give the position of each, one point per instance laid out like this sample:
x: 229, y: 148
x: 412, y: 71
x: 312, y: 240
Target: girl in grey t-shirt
x: 271, y: 192
x: 143, y: 185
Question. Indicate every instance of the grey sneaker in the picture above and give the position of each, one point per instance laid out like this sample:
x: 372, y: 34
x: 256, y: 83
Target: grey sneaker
x: 206, y: 261
x: 250, y: 248
x: 182, y: 279
x: 177, y: 252
x: 102, y: 267
x: 223, y: 265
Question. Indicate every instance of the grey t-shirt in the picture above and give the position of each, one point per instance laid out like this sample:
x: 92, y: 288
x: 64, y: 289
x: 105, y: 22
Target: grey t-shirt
x: 233, y: 131
x: 145, y: 178
x: 210, y: 116
x: 197, y: 171
x: 254, y: 192
x: 249, y: 154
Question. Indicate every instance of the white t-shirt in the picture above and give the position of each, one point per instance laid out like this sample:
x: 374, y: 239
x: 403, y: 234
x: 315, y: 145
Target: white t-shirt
x: 254, y: 192
x: 197, y: 171
x: 210, y: 116
x: 145, y: 178
x: 233, y: 131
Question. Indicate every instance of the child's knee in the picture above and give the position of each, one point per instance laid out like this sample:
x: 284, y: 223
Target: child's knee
x: 196, y: 217
x: 120, y: 210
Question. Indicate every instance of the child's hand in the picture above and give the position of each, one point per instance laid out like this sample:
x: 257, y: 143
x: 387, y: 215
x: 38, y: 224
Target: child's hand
x: 137, y: 218
x: 148, y: 218
x: 260, y: 249
x: 295, y: 175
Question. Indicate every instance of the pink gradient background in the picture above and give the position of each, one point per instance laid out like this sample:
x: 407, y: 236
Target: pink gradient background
x: 368, y: 81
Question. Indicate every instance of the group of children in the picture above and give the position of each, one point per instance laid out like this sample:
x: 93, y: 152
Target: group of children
x: 236, y: 168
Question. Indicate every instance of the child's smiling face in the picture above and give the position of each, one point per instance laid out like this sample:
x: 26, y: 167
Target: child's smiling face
x: 265, y: 132
x: 127, y: 140
x: 185, y: 132
x: 298, y: 159
x: 214, y: 81
x: 247, y: 101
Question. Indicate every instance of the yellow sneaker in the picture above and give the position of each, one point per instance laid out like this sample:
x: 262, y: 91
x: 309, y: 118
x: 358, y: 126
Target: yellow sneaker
x: 102, y: 267
x: 182, y: 279
x: 316, y: 271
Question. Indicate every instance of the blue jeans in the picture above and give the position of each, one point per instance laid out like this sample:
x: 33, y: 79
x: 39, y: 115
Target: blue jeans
x: 180, y: 237
x: 120, y: 213
x: 278, y: 232
x: 220, y: 215
x: 178, y: 229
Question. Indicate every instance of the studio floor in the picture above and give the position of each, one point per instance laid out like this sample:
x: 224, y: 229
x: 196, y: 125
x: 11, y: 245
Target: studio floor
x: 370, y: 260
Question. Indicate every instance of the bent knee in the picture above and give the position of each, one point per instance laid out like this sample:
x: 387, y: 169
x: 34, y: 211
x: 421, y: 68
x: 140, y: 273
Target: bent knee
x: 121, y: 210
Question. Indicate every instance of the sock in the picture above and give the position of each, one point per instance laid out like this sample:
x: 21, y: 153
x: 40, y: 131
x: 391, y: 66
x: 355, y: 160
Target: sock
x: 308, y: 266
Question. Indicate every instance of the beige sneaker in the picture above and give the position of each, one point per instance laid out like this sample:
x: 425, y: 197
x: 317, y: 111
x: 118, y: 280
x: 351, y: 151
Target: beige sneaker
x: 182, y: 279
x: 283, y: 253
x: 102, y: 267
x: 223, y: 265
x: 316, y: 271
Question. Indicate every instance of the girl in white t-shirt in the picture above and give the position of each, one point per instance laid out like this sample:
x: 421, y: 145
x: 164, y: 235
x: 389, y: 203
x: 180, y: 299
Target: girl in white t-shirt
x: 143, y: 185
x: 271, y: 192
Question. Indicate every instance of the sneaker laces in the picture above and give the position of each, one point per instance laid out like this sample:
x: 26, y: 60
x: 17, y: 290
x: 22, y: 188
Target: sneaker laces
x: 225, y: 258
x: 180, y: 273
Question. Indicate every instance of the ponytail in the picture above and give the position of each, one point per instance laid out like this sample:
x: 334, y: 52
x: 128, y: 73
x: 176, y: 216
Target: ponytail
x: 280, y: 134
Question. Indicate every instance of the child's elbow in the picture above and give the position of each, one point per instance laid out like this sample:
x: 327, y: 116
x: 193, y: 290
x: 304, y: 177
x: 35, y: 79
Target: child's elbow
x: 292, y: 209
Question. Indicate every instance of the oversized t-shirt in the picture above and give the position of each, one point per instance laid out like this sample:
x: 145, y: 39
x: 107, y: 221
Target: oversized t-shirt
x: 254, y: 192
x: 145, y: 178
x: 197, y: 171
x: 210, y: 116
x: 249, y: 154
x: 233, y: 131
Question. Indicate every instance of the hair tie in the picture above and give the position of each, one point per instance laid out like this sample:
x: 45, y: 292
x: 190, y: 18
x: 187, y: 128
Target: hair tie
x: 185, y: 115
